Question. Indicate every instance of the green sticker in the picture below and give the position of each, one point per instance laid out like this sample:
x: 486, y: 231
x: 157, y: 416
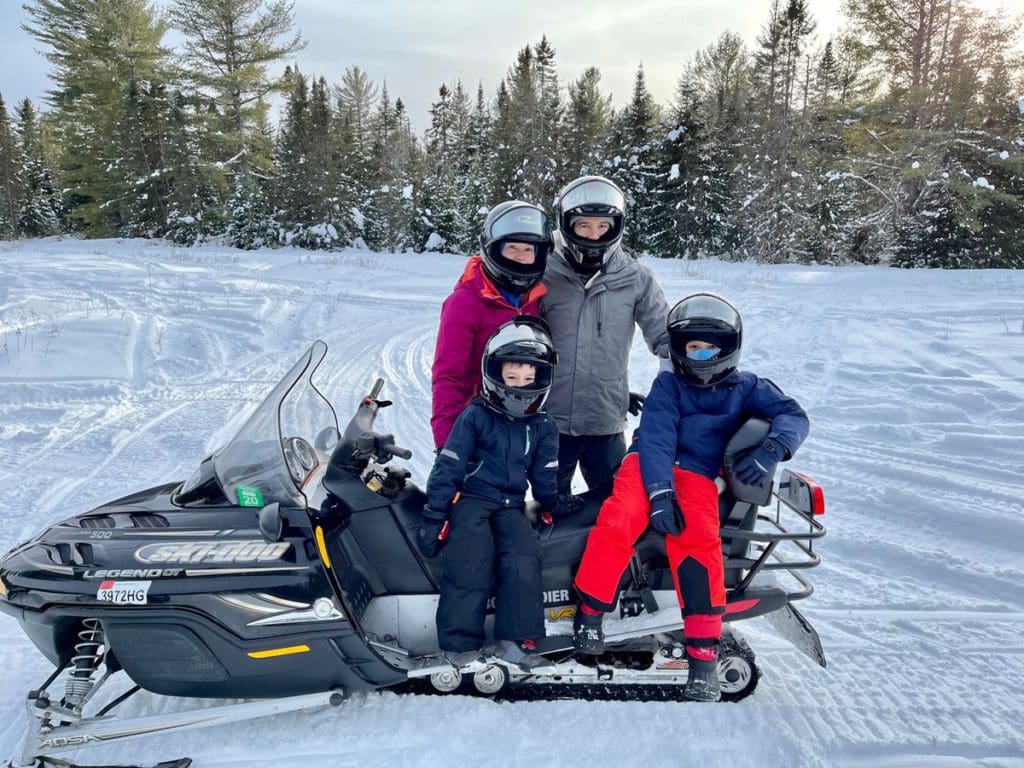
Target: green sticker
x: 249, y: 496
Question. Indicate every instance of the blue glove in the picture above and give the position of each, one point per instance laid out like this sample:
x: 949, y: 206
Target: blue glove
x: 636, y: 403
x: 666, y: 516
x: 432, y: 533
x: 758, y: 466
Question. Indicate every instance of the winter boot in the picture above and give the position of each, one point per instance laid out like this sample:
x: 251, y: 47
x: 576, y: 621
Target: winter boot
x: 465, y: 661
x: 522, y: 655
x: 702, y: 681
x: 587, y: 634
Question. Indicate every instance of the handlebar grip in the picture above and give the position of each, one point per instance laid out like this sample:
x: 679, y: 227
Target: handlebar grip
x: 377, y: 387
x: 394, y: 450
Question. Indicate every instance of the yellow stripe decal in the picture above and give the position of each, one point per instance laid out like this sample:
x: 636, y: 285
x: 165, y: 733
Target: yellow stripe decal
x: 278, y: 652
x: 322, y: 546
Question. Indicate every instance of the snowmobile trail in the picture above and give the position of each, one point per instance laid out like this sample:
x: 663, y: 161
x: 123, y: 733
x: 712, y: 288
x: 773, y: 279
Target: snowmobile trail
x: 914, y: 386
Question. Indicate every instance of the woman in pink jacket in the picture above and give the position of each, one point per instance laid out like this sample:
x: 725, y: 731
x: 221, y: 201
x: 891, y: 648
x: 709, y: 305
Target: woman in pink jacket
x: 500, y: 283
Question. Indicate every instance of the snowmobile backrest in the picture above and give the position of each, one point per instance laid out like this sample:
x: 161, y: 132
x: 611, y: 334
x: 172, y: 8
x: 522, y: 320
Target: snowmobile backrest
x: 750, y: 435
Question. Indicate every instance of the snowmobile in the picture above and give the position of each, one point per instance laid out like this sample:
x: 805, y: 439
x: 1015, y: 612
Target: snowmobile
x: 284, y: 571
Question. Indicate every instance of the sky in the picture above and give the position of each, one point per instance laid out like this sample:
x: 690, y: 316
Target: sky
x: 124, y: 362
x: 417, y: 46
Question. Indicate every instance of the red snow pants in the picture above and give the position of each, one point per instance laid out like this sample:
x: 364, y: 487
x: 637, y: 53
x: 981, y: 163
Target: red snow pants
x: 695, y: 556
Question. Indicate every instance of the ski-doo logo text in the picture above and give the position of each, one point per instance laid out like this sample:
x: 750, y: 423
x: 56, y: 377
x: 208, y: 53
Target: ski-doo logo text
x: 212, y: 552
x: 69, y: 741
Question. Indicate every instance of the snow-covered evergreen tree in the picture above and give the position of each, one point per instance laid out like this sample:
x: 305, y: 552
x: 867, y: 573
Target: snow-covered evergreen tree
x: 397, y: 182
x: 438, y: 209
x: 39, y: 212
x: 474, y: 195
x: 634, y: 163
x: 585, y: 133
x: 250, y: 219
x: 12, y: 164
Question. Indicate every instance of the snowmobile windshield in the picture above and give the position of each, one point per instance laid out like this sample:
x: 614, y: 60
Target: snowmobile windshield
x: 282, y: 443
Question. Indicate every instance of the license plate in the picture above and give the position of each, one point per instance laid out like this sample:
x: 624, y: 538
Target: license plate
x: 124, y: 592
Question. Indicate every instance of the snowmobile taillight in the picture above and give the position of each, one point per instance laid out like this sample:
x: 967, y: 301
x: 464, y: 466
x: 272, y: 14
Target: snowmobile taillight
x: 801, y: 493
x: 817, y: 494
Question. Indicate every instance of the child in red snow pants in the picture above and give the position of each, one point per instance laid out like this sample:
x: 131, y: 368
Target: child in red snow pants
x: 695, y: 556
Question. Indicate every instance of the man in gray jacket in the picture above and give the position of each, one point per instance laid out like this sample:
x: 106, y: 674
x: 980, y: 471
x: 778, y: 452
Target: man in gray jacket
x: 596, y: 295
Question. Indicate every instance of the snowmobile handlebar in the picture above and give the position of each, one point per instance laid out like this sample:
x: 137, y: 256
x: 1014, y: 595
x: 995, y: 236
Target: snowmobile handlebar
x: 360, y: 442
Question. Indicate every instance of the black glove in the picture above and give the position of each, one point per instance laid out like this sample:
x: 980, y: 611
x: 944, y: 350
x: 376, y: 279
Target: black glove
x: 758, y: 466
x: 432, y: 533
x: 636, y: 403
x: 567, y: 504
x: 666, y: 516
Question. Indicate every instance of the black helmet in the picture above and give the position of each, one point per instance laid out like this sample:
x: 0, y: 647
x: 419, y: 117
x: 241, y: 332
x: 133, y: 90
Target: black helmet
x: 710, y: 318
x: 522, y: 223
x: 590, y: 196
x: 522, y: 339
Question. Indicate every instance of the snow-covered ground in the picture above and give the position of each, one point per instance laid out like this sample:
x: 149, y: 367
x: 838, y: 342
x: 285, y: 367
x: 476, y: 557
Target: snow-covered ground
x: 121, y: 362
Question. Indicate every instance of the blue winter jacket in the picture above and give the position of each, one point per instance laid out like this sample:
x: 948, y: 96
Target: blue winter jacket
x: 491, y: 455
x: 688, y: 426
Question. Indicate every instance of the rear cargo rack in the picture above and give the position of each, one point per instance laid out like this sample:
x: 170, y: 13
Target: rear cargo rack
x: 795, y: 501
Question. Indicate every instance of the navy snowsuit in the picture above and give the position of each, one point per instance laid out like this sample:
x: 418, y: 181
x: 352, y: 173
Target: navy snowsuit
x: 480, y: 479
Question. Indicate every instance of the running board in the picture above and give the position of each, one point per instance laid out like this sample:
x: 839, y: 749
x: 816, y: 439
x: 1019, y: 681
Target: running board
x: 616, y: 631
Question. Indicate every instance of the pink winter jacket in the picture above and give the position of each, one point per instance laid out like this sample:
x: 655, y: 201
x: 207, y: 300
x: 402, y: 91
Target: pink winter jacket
x: 469, y: 316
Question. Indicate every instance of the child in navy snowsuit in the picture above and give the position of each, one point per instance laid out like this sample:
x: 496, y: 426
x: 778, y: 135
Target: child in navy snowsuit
x: 667, y: 481
x: 478, y: 484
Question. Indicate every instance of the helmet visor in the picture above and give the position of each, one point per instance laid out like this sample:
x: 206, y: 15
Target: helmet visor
x: 596, y: 195
x: 704, y: 311
x: 528, y: 225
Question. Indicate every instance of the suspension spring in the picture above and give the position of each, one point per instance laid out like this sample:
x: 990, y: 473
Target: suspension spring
x: 88, y: 655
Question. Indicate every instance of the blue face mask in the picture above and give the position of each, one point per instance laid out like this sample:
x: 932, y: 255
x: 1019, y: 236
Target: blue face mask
x: 703, y: 354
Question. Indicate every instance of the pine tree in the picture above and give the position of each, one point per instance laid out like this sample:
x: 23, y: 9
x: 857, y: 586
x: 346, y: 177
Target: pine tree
x: 691, y: 201
x: 634, y: 165
x: 353, y: 138
x: 39, y: 213
x: 550, y: 166
x: 474, y: 195
x: 109, y: 67
x: 228, y: 48
x: 197, y: 192
x: 587, y: 123
x: 437, y: 202
x: 393, y: 197
x: 249, y: 215
x: 11, y: 181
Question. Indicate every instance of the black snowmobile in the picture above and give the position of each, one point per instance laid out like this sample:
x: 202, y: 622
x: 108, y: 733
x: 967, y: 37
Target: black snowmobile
x: 285, y: 569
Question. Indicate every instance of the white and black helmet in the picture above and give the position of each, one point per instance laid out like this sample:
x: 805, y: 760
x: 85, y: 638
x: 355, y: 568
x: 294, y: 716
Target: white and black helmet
x: 590, y: 196
x: 519, y: 222
x: 710, y: 318
x: 523, y: 339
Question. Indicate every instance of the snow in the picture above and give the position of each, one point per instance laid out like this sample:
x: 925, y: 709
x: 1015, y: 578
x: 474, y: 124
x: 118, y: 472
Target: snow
x: 123, y: 362
x: 915, y: 165
x: 983, y: 183
x: 673, y: 172
x: 434, y: 242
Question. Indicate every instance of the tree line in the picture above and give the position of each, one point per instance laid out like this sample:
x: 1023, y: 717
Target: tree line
x: 898, y: 141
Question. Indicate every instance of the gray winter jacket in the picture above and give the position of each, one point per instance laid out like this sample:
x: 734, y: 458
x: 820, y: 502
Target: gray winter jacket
x: 592, y: 324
